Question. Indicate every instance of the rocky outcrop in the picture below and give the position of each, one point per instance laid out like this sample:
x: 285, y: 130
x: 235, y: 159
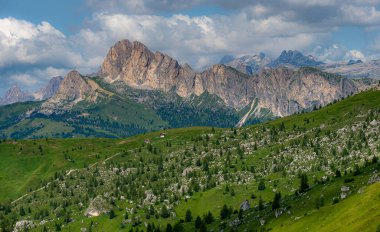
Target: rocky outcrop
x: 97, y: 206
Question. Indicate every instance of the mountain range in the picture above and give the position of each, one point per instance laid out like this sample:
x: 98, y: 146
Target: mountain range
x: 138, y: 90
x: 15, y: 94
x: 293, y: 59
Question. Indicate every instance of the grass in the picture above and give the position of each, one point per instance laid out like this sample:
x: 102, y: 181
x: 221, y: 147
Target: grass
x: 361, y: 212
x: 25, y: 167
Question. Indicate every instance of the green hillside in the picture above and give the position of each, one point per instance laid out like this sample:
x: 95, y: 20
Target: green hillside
x: 324, y: 164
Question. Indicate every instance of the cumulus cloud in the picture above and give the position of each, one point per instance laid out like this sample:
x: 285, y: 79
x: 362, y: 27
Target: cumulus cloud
x: 197, y: 40
x: 32, y: 51
x: 337, y: 53
x: 30, y: 79
x: 321, y: 12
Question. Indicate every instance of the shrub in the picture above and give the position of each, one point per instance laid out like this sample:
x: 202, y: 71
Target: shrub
x: 261, y: 185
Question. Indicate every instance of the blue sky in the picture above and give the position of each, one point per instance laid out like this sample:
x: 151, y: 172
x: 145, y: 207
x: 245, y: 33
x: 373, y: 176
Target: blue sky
x: 44, y: 38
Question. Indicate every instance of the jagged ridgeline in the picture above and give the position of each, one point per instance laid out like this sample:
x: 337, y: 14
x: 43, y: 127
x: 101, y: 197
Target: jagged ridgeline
x: 137, y: 90
x: 317, y: 170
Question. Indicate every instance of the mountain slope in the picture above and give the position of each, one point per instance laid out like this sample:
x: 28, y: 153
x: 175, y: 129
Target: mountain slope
x: 357, y: 213
x: 150, y: 179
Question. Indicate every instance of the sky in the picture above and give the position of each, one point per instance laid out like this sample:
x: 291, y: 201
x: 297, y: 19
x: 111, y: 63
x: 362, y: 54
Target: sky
x: 40, y: 39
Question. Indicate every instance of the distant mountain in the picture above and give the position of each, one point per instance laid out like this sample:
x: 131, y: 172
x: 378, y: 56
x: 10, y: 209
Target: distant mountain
x: 294, y: 59
x: 226, y: 59
x: 49, y: 90
x: 355, y: 69
x: 15, y: 94
x: 351, y: 62
x: 253, y: 64
x: 249, y: 64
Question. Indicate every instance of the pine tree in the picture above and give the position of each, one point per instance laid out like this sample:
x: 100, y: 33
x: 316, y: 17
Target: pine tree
x: 112, y: 214
x: 261, y: 203
x: 198, y: 222
x: 337, y: 173
x: 22, y: 211
x: 224, y: 213
x: 169, y: 228
x: 178, y: 227
x: 209, y: 218
x: 304, y: 186
x: 165, y: 212
x: 261, y: 185
x: 276, y: 201
x: 203, y: 227
x: 188, y: 217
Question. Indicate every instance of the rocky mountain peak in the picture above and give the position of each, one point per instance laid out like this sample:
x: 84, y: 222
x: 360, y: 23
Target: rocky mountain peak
x: 294, y: 59
x: 249, y: 64
x: 138, y: 67
x: 49, y: 90
x: 15, y: 94
x: 73, y: 89
x: 116, y: 58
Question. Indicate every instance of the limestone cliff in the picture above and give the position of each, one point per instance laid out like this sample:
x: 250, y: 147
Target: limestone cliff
x: 281, y: 91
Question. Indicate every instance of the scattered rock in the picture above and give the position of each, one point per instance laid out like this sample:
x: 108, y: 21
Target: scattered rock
x: 245, y: 205
x: 374, y: 179
x: 235, y: 223
x: 97, y: 206
x: 186, y: 171
x: 278, y: 212
x: 150, y: 198
x: 23, y: 225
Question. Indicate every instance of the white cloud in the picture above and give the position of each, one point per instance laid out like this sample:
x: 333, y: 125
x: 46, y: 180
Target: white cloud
x: 192, y: 39
x: 31, y: 51
x: 355, y: 55
x: 30, y: 79
x: 24, y: 79
x: 24, y: 42
x: 360, y: 15
x: 337, y: 53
